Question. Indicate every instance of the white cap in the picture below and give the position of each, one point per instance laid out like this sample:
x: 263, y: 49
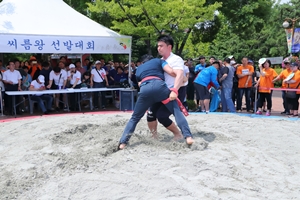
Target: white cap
x: 232, y: 62
x: 71, y: 66
x: 262, y: 61
x: 97, y: 62
x: 41, y: 78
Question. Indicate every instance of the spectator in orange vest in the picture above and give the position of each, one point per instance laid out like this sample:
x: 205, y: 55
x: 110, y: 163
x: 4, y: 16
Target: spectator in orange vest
x: 267, y: 74
x: 34, y: 68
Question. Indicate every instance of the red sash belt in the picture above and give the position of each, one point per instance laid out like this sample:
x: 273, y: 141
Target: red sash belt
x: 182, y: 108
x: 149, y: 78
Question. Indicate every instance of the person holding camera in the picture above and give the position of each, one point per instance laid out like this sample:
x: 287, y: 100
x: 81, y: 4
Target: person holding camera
x: 34, y: 68
x: 265, y: 82
x: 74, y: 77
x: 99, y: 80
x: 57, y: 81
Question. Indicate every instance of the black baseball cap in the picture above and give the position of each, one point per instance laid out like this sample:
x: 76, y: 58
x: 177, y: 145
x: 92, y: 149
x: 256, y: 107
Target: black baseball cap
x: 294, y: 64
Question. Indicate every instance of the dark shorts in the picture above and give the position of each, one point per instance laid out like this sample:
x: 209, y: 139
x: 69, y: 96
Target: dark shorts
x: 202, y: 91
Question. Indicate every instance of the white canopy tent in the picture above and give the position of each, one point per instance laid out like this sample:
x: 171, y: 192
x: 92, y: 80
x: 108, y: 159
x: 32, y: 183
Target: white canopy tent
x: 52, y: 26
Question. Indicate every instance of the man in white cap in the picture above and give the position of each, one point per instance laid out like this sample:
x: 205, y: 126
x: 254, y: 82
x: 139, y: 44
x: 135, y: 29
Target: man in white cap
x: 39, y: 85
x: 99, y: 80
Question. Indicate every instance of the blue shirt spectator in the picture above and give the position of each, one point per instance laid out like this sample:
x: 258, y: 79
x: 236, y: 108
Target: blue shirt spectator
x: 200, y: 67
x: 207, y: 75
x: 119, y: 76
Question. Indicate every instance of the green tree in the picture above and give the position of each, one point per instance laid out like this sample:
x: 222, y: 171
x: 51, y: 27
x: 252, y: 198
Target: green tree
x: 245, y: 16
x: 79, y: 5
x: 269, y: 40
x: 148, y: 19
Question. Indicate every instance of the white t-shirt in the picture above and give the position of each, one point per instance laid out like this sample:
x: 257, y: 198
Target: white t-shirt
x: 13, y: 76
x: 75, y: 76
x: 63, y: 76
x: 175, y: 62
x: 185, y: 72
x: 96, y: 76
x: 37, y: 85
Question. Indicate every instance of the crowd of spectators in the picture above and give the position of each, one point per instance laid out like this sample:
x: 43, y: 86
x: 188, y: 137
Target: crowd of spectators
x: 232, y: 80
x: 38, y: 75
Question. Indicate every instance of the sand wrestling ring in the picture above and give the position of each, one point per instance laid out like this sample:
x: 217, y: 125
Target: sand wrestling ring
x: 74, y: 157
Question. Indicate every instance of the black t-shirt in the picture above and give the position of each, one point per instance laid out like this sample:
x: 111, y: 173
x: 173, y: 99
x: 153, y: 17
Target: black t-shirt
x: 192, y: 74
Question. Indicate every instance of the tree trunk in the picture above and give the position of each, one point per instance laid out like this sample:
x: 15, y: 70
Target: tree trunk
x: 183, y: 43
x: 176, y: 49
x: 148, y: 43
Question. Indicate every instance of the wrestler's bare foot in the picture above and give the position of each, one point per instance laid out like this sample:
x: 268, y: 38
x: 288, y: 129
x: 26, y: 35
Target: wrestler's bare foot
x: 122, y: 146
x: 189, y: 140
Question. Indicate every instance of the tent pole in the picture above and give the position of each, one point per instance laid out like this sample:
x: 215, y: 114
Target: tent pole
x: 130, y: 70
x: 1, y: 102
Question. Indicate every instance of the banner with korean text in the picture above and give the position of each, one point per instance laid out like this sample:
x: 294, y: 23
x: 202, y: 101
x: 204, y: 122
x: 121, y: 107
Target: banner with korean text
x: 64, y: 44
x: 296, y: 41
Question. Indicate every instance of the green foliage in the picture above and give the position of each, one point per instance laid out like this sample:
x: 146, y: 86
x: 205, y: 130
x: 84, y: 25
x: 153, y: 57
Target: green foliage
x: 148, y: 19
x: 79, y: 5
x: 191, y: 104
x: 267, y: 41
x: 199, y: 27
x: 245, y: 16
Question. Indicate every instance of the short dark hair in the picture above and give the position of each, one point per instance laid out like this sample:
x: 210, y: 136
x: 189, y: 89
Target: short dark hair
x: 146, y: 58
x: 56, y: 69
x: 62, y: 63
x: 65, y: 57
x: 267, y: 61
x: 25, y: 67
x: 166, y: 39
x: 17, y: 60
x: 87, y: 73
x: 216, y: 62
x: 45, y: 64
x: 201, y: 57
x: 77, y: 62
x: 212, y: 57
x: 227, y: 60
x: 246, y: 57
x: 120, y: 68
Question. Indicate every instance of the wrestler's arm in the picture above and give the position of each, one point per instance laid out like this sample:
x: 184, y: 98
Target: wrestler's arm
x: 169, y: 70
x: 178, y: 78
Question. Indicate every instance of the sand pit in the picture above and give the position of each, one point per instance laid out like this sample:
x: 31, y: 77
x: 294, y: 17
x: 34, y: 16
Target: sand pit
x: 74, y: 157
